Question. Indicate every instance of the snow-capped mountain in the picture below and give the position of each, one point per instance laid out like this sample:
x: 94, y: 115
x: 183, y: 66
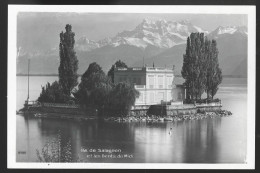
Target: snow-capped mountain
x: 161, y: 42
x: 232, y: 47
x: 159, y: 33
x: 223, y: 31
x: 84, y: 44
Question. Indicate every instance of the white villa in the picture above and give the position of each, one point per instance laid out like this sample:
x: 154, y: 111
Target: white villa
x: 155, y: 84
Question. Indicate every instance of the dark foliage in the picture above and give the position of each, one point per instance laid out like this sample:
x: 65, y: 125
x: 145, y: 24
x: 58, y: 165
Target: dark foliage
x: 94, y: 91
x: 214, y: 73
x: 68, y: 61
x: 200, y: 67
x: 92, y: 69
x: 52, y: 93
x: 94, y: 88
x: 97, y: 90
x: 123, y: 98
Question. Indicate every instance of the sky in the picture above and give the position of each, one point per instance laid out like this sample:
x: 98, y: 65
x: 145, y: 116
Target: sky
x: 40, y: 30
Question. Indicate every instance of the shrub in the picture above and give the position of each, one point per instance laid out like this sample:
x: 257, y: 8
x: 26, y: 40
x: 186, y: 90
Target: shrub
x: 122, y: 97
x: 52, y: 93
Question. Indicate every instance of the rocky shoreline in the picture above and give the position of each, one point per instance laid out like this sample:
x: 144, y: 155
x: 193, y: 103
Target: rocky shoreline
x: 154, y: 118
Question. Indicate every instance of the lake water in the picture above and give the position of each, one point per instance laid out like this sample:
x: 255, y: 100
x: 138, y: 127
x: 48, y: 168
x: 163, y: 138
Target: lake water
x: 217, y: 140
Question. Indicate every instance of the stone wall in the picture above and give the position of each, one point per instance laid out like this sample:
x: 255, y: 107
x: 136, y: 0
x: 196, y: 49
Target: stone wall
x: 63, y: 110
x: 163, y: 110
x: 71, y: 111
x: 159, y: 110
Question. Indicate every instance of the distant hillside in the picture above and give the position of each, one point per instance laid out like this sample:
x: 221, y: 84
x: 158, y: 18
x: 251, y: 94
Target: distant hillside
x: 107, y: 56
x: 170, y: 57
x: 232, y: 56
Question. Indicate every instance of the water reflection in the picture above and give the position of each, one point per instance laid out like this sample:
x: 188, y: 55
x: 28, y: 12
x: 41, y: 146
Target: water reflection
x: 189, y: 141
x: 200, y: 141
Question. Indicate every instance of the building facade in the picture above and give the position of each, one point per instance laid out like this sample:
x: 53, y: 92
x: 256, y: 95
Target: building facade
x: 155, y: 84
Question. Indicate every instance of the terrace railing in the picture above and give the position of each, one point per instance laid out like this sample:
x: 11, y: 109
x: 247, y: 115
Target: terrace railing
x: 60, y: 105
x: 159, y: 69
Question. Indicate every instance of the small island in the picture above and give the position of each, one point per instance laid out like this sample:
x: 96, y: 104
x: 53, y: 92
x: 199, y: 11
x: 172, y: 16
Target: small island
x: 130, y: 94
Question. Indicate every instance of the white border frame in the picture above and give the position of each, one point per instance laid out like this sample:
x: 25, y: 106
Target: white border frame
x: 205, y: 9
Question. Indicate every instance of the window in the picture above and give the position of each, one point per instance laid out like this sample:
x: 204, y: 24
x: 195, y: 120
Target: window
x: 160, y: 81
x: 151, y: 81
x: 169, y: 96
x: 169, y: 81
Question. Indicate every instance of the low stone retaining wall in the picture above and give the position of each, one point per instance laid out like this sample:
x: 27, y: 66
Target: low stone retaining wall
x: 69, y: 110
x: 58, y: 110
x: 157, y: 110
x: 177, y: 112
x: 165, y: 110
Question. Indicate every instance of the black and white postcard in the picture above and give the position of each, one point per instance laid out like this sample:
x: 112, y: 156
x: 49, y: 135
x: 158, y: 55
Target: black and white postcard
x: 131, y: 87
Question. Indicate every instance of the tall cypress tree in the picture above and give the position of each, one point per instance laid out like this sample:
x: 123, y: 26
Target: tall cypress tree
x: 68, y: 61
x: 193, y: 69
x: 187, y: 70
x: 200, y: 65
x: 200, y: 68
x: 214, y: 72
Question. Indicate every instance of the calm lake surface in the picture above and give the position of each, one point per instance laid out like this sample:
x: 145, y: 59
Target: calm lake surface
x: 217, y: 140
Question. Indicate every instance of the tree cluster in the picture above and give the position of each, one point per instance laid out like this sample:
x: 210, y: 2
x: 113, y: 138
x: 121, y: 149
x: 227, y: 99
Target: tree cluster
x: 122, y: 98
x: 52, y: 93
x: 60, y: 92
x: 200, y: 68
x: 96, y: 90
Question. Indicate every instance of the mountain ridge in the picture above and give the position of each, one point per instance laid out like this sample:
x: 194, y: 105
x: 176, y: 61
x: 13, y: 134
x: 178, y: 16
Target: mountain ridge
x: 159, y: 33
x: 161, y: 41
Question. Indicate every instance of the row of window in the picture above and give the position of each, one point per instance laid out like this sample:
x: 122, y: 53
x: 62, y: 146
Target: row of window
x: 161, y: 83
x: 154, y: 97
x: 151, y: 81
